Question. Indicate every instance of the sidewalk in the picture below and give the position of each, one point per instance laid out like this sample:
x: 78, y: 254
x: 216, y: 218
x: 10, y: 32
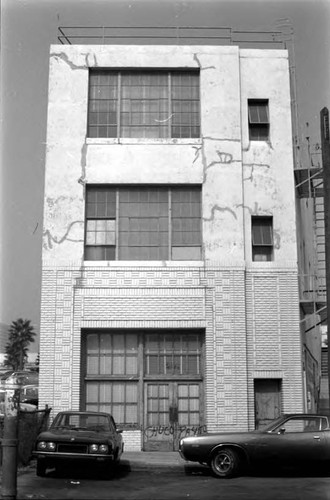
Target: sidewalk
x: 144, y: 460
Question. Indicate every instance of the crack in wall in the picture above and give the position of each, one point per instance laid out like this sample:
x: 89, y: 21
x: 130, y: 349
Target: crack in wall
x: 50, y: 239
x: 199, y: 64
x: 64, y: 57
x: 217, y: 208
x: 252, y: 166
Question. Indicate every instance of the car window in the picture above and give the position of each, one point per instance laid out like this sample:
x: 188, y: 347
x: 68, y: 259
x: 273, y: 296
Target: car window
x: 304, y: 424
x: 97, y: 423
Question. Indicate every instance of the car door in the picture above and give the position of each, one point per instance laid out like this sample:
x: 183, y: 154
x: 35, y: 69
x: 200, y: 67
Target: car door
x: 295, y: 440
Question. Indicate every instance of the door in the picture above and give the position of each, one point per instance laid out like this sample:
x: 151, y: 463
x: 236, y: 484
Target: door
x: 172, y: 412
x: 267, y: 398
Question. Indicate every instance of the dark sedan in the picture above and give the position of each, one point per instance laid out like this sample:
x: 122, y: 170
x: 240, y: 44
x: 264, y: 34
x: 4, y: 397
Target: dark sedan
x: 293, y: 439
x: 79, y: 438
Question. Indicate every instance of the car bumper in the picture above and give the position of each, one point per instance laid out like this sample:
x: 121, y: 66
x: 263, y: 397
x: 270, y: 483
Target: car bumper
x: 72, y: 457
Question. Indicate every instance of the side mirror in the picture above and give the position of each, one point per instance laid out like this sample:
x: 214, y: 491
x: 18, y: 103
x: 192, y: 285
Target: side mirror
x: 119, y: 431
x: 281, y: 431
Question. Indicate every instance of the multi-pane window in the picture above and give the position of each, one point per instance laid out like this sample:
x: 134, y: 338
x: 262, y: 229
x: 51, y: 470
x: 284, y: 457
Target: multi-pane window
x: 144, y: 104
x: 172, y: 354
x: 124, y: 370
x: 258, y: 119
x: 262, y: 238
x: 114, y: 354
x: 143, y: 223
x: 111, y: 361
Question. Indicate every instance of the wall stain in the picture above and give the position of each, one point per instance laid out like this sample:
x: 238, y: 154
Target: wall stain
x: 82, y: 178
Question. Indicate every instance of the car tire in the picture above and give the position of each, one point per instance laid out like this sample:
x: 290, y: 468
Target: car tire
x: 41, y: 468
x: 225, y: 463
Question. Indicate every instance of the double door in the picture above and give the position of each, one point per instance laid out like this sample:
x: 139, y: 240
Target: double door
x: 172, y: 410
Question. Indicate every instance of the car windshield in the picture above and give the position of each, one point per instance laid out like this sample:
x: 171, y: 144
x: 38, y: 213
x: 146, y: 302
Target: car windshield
x: 272, y: 424
x: 76, y: 421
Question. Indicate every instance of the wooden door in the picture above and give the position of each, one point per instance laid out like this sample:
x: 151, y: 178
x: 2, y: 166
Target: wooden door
x: 172, y: 411
x: 267, y: 397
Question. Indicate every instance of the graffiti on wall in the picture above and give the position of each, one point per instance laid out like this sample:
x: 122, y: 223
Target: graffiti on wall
x: 177, y: 431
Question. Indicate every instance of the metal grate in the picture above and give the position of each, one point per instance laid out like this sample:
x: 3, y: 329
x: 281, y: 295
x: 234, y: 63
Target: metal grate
x: 72, y: 448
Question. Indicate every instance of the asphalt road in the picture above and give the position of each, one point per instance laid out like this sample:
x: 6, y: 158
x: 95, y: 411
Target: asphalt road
x: 193, y: 482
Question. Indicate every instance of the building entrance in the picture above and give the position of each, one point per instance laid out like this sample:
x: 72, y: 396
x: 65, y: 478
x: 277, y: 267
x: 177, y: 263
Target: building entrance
x: 150, y: 381
x: 172, y: 411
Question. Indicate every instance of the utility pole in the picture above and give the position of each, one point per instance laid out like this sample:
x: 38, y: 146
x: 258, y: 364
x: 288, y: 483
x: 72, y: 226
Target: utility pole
x: 325, y: 143
x: 10, y: 443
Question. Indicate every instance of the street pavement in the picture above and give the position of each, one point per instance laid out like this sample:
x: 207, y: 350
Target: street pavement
x: 166, y: 476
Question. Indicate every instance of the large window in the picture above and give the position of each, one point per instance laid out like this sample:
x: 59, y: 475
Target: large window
x: 262, y: 238
x: 143, y: 223
x: 144, y: 104
x: 121, y: 368
x: 258, y: 120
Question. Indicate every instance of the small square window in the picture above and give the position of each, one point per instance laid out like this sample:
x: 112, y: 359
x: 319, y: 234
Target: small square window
x: 262, y: 239
x: 258, y: 120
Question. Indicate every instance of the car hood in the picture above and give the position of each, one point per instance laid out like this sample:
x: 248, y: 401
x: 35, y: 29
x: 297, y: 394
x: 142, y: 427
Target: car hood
x: 73, y: 435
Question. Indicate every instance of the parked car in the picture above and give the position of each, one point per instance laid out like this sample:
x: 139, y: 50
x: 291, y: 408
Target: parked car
x: 294, y: 439
x: 5, y: 374
x: 23, y: 377
x: 79, y: 437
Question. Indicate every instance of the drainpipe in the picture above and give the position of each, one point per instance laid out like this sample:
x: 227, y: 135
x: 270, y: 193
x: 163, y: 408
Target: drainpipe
x: 10, y: 442
x: 325, y: 142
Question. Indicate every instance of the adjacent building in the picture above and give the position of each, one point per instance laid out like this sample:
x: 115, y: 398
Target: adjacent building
x: 170, y: 292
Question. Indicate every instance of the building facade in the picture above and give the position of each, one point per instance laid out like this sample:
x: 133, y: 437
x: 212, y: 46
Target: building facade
x: 170, y: 280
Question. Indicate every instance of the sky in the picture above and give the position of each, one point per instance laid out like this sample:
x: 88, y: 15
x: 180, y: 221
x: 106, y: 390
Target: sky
x: 28, y: 27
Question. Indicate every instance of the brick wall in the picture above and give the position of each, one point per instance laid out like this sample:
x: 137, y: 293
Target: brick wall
x: 250, y: 320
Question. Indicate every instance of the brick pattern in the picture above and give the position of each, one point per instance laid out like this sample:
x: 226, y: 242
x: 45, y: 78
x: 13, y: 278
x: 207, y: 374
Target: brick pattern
x: 132, y: 440
x: 273, y: 337
x: 250, y: 319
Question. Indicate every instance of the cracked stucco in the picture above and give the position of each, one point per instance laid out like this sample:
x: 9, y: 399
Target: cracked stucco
x: 50, y: 239
x: 222, y: 157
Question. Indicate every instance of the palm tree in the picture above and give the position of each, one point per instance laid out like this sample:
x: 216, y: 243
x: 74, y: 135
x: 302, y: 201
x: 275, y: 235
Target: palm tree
x: 21, y: 334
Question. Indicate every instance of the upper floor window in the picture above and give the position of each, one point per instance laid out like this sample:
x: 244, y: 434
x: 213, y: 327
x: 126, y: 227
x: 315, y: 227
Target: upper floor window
x: 258, y: 119
x: 144, y: 104
x: 262, y: 238
x: 143, y: 223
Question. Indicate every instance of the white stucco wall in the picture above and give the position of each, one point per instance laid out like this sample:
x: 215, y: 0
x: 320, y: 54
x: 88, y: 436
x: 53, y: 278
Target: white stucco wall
x: 260, y: 175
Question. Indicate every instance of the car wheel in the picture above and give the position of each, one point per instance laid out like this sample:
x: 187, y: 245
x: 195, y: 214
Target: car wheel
x: 41, y: 468
x: 225, y: 463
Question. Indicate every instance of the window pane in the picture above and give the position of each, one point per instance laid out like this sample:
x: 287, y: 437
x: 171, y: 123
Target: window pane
x: 143, y: 223
x: 262, y: 231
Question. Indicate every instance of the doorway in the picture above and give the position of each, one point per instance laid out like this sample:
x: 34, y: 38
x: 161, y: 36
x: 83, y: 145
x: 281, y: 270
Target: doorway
x: 172, y: 411
x: 267, y: 398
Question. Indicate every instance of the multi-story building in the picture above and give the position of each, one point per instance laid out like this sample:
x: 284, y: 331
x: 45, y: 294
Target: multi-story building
x: 170, y: 279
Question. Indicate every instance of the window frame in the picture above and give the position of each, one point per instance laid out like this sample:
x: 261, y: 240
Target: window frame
x: 264, y: 247
x: 259, y: 128
x: 170, y: 101
x: 141, y: 377
x: 177, y: 247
